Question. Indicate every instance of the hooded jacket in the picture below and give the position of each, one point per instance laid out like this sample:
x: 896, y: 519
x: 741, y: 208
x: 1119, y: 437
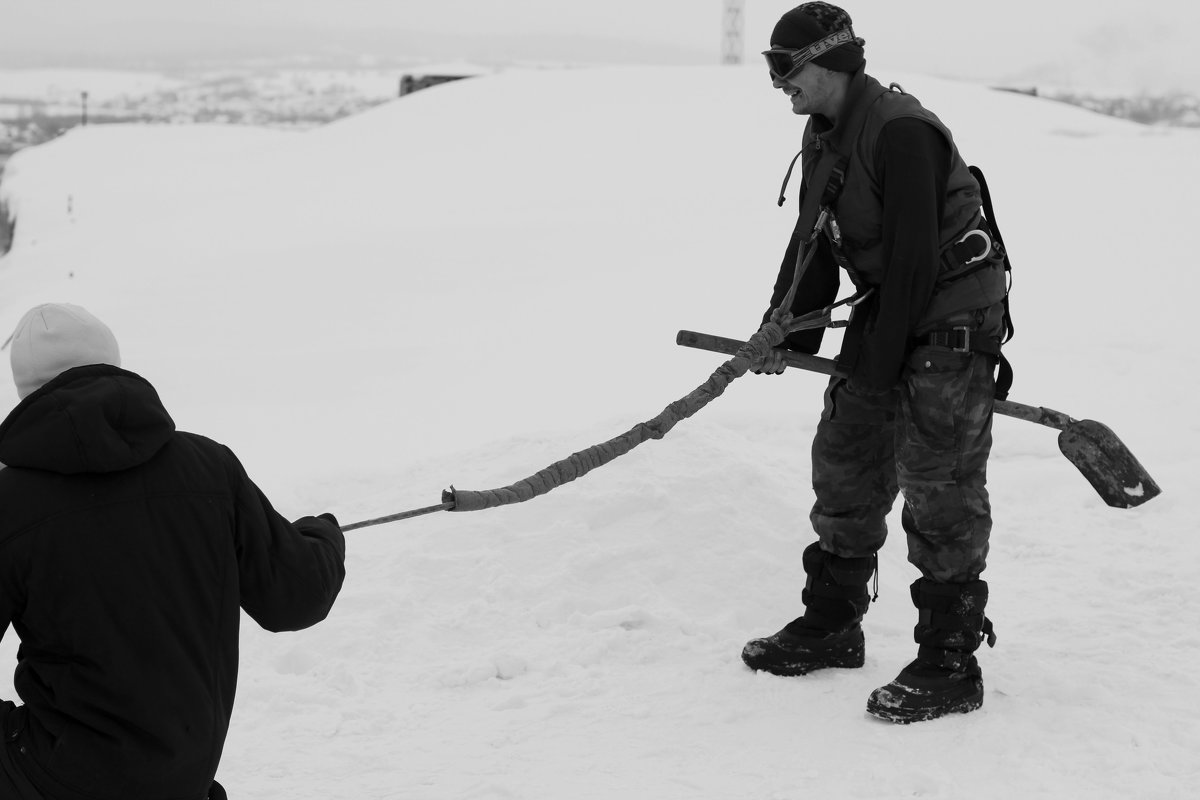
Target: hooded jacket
x: 127, y: 549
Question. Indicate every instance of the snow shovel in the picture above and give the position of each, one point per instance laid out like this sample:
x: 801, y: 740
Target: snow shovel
x: 1116, y: 475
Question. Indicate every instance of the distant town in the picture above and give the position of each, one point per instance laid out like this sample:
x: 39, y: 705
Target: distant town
x: 287, y: 98
x: 291, y: 99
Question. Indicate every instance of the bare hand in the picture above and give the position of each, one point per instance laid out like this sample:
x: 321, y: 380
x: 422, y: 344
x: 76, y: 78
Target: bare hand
x: 773, y: 363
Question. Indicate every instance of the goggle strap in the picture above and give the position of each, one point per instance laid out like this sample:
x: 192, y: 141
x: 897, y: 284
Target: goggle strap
x: 820, y: 47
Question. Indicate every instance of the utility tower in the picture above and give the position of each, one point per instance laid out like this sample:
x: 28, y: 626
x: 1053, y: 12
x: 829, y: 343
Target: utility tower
x: 731, y: 43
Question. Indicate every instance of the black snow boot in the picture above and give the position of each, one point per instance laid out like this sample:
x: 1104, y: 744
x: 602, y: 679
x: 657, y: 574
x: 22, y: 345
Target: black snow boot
x: 945, y: 677
x: 829, y: 634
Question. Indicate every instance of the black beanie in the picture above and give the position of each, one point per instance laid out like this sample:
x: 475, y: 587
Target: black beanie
x: 812, y: 22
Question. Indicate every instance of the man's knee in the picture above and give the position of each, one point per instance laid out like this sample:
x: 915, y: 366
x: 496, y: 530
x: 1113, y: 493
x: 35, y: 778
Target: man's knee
x: 949, y: 555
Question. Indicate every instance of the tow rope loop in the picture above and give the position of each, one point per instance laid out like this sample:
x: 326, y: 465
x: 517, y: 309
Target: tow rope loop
x: 804, y: 257
x: 579, y: 464
x: 823, y: 317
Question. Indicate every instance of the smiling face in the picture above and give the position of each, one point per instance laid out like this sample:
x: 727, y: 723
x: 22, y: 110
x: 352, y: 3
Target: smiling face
x: 814, y: 90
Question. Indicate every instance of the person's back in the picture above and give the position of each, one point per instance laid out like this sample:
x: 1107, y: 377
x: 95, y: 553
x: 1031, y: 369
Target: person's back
x: 126, y: 551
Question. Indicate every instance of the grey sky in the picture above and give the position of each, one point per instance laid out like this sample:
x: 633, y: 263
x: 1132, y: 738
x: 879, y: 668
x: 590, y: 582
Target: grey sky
x: 1077, y: 42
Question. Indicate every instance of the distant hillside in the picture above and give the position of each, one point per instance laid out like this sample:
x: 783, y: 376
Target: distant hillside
x: 33, y: 112
x: 1176, y: 109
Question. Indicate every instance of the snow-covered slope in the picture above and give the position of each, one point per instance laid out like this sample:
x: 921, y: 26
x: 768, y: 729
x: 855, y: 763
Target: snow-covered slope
x: 468, y: 283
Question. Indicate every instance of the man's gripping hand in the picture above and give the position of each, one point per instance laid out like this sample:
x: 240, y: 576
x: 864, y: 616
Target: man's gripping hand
x: 772, y: 363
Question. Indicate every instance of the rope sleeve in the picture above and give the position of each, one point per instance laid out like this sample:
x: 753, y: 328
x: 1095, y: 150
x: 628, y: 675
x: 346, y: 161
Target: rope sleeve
x: 581, y: 463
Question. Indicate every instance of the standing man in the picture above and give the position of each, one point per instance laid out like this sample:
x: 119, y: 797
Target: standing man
x: 127, y: 551
x: 888, y: 199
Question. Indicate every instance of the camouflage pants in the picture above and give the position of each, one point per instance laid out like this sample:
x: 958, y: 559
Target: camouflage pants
x: 928, y: 438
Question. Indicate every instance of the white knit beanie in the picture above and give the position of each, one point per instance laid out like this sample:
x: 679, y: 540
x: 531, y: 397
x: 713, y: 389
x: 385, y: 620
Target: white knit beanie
x: 54, y: 337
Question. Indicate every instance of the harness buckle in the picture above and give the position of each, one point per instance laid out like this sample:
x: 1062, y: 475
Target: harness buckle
x: 987, y: 245
x: 966, y: 338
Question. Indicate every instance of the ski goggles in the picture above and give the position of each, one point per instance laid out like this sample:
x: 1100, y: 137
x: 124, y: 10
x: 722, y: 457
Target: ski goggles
x: 784, y: 62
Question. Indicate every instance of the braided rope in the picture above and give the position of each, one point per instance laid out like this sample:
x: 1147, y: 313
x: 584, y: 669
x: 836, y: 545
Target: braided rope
x: 752, y: 352
x: 579, y: 464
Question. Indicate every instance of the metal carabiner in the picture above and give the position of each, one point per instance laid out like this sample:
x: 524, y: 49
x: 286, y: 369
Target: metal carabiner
x: 987, y: 242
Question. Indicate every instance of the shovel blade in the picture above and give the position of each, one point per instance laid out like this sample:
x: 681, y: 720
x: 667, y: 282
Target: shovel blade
x: 1116, y: 475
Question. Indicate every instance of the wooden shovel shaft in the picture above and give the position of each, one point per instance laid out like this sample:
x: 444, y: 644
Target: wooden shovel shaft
x: 827, y: 366
x: 1116, y: 475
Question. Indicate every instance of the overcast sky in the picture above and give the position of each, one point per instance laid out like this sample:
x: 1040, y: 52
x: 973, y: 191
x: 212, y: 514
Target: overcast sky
x: 1086, y: 43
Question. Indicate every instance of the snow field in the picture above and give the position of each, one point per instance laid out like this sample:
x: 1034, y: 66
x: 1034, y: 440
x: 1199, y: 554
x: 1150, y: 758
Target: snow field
x: 469, y: 283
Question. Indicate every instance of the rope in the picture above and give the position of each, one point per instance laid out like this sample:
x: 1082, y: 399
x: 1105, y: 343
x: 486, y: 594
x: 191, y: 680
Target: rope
x: 579, y: 464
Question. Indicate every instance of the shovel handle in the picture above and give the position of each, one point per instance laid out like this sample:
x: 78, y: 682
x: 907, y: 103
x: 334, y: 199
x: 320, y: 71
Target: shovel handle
x: 827, y: 366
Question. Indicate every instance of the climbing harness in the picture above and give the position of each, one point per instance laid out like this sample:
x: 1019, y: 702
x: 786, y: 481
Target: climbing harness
x: 979, y: 248
x: 998, y: 247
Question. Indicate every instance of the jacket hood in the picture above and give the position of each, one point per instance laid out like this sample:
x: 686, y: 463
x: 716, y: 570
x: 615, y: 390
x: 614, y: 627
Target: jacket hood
x: 96, y: 419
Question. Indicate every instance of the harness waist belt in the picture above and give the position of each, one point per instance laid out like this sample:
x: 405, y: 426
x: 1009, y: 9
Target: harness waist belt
x: 962, y: 340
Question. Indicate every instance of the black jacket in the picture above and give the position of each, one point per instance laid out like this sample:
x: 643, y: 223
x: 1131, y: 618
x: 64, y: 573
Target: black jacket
x: 126, y: 551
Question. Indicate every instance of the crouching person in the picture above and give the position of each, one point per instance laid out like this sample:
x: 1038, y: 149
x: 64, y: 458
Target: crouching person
x: 127, y: 549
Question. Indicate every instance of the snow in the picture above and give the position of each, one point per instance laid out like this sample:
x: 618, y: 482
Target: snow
x: 466, y: 284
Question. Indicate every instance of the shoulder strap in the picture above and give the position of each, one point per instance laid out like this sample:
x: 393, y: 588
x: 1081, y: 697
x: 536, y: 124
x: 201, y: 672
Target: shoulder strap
x: 813, y: 215
x: 816, y: 204
x: 1004, y: 379
x: 986, y: 195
